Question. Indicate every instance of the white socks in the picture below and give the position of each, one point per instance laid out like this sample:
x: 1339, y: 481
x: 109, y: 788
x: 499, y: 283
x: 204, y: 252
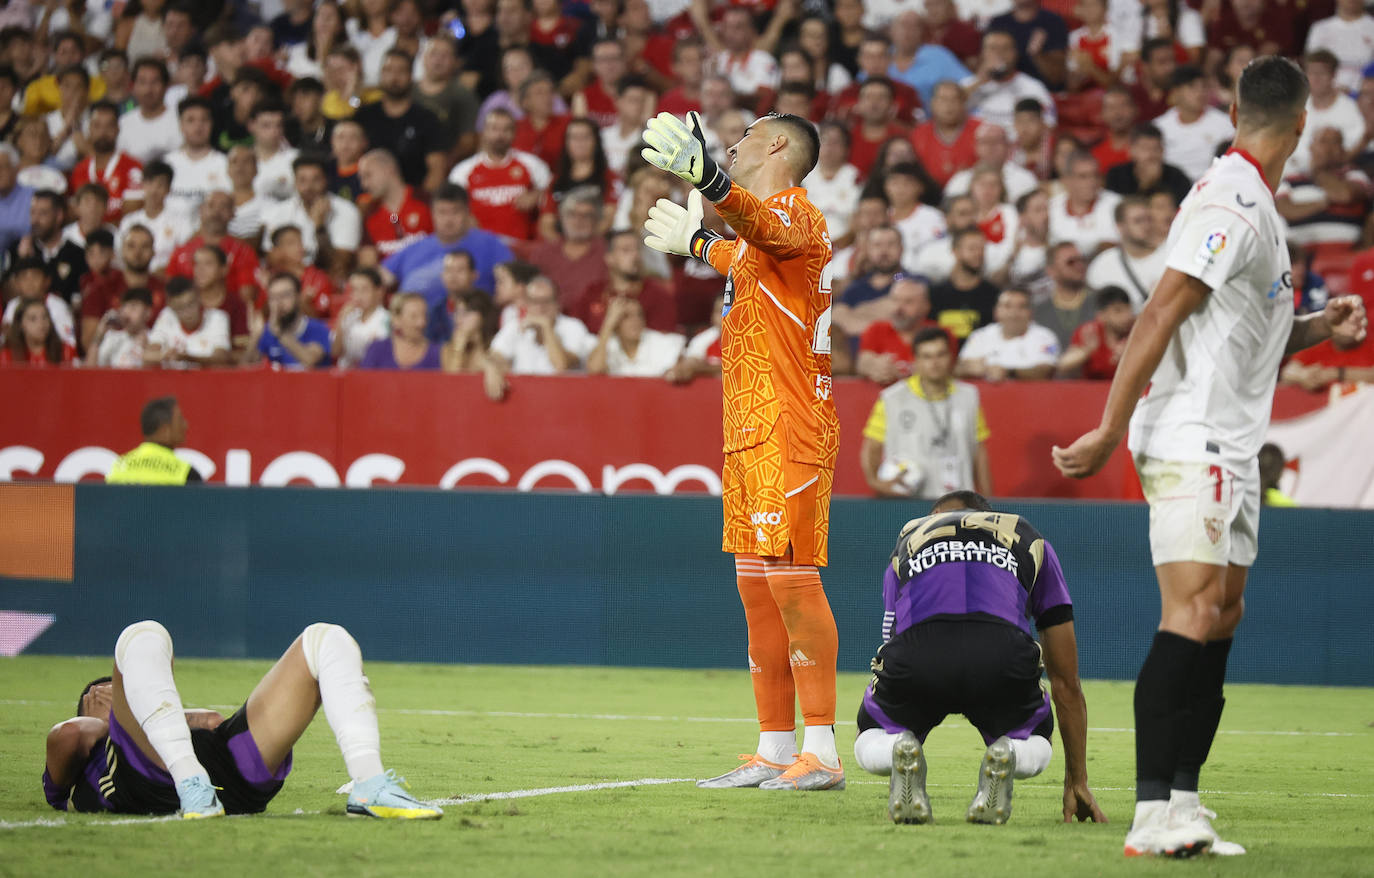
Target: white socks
x: 1183, y: 800
x: 778, y: 747
x: 819, y: 741
x: 333, y: 657
x: 143, y: 655
x: 1148, y: 811
x: 873, y: 751
x: 1032, y: 756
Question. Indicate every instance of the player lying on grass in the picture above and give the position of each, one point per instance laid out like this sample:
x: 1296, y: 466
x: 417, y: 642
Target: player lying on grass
x: 960, y: 585
x: 132, y: 749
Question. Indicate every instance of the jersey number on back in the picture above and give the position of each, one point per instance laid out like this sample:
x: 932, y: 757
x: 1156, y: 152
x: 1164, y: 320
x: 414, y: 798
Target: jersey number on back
x: 820, y: 343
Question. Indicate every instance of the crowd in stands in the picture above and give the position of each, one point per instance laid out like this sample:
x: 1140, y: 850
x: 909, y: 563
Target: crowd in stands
x: 457, y: 185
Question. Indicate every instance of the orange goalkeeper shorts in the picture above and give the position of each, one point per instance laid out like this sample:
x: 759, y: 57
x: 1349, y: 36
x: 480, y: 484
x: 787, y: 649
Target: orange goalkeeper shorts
x: 771, y: 502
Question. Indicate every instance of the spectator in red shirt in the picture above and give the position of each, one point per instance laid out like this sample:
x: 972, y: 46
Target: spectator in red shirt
x: 32, y: 340
x: 944, y: 27
x: 597, y: 100
x: 504, y: 185
x: 797, y: 70
x: 210, y: 265
x: 242, y: 262
x: 579, y: 259
x: 648, y: 50
x: 944, y: 144
x: 886, y: 346
x: 540, y: 131
x: 1118, y: 115
x: 876, y: 110
x: 582, y: 164
x: 102, y: 282
x: 1096, y: 346
x: 136, y: 252
x: 1268, y: 26
x: 398, y: 217
x: 1317, y: 368
x: 875, y: 57
x: 1157, y: 65
x: 625, y: 277
x: 689, y: 70
x: 287, y: 256
x: 121, y: 175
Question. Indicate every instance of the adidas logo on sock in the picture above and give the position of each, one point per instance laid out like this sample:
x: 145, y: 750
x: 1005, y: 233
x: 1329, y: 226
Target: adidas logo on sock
x: 753, y: 668
x: 799, y: 660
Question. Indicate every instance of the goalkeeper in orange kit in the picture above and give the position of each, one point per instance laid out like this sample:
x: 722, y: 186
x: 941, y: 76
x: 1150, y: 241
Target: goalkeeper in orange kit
x: 781, y: 432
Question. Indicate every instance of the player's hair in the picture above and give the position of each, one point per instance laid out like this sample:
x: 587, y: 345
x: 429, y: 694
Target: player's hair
x: 804, y: 135
x: 1324, y: 57
x: 965, y: 500
x: 100, y: 238
x: 157, y: 414
x: 1113, y: 295
x: 1272, y: 93
x: 98, y: 680
x: 929, y: 334
x: 137, y: 294
x: 158, y: 168
x: 194, y: 102
x: 285, y: 275
x: 1126, y: 203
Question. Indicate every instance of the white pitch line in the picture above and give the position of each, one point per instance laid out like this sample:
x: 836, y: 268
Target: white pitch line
x: 662, y: 718
x: 549, y: 791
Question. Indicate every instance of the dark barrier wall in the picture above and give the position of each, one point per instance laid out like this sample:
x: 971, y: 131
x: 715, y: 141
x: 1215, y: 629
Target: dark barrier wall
x: 446, y: 576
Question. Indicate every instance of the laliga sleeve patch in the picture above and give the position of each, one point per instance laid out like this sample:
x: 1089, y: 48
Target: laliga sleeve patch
x: 1211, y: 247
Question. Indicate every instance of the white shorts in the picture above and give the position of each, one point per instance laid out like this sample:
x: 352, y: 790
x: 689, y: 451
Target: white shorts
x: 1201, y: 512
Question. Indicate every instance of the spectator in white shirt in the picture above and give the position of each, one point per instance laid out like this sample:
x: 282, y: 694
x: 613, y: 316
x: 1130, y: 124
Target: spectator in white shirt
x: 1349, y: 35
x: 833, y: 185
x: 740, y: 53
x: 918, y: 223
x: 995, y: 89
x: 170, y: 228
x: 992, y: 146
x: 1327, y: 107
x: 1011, y: 347
x: 541, y: 342
x: 266, y: 122
x: 1192, y: 130
x: 1084, y: 213
x: 1138, y: 264
x: 150, y: 130
x: 68, y: 125
x: 331, y: 228
x: 31, y: 282
x: 186, y: 334
x: 634, y: 104
x: 197, y: 168
x: 626, y: 346
x: 362, y: 321
x: 122, y: 332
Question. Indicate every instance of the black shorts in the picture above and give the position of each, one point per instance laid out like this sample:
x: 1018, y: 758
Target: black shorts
x: 988, y: 671
x: 133, y: 784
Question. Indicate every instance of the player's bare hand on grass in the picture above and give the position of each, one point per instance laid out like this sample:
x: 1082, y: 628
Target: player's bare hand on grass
x: 670, y: 226
x: 1347, y: 318
x: 1079, y: 803
x: 1087, y: 455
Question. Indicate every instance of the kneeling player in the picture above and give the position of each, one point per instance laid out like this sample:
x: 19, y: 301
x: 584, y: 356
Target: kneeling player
x: 956, y: 641
x: 133, y: 750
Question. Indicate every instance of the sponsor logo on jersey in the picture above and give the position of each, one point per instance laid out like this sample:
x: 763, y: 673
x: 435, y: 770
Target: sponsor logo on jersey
x: 766, y: 518
x: 1214, y: 243
x: 824, y: 384
x: 962, y: 550
x: 1213, y: 527
x: 1284, y: 283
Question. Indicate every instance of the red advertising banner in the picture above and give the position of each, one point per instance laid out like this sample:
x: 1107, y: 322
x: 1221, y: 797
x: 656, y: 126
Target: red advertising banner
x: 578, y: 433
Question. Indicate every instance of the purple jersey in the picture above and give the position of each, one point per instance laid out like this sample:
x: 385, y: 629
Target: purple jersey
x: 967, y: 562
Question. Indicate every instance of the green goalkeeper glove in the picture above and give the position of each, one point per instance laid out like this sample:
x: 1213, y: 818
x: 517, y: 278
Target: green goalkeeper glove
x: 679, y: 148
x: 672, y: 228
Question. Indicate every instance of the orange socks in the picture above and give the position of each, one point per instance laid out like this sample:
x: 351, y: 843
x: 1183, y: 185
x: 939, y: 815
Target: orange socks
x: 813, y: 642
x: 768, y: 648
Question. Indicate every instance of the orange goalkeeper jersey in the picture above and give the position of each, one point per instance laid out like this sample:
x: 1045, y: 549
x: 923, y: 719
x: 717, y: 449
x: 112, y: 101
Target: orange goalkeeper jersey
x: 775, y: 337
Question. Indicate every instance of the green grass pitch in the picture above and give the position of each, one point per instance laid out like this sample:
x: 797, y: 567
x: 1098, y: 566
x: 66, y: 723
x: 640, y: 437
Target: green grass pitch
x: 1291, y: 774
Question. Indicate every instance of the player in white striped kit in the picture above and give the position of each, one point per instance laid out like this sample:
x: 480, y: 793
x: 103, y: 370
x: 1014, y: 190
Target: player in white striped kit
x: 1205, y: 354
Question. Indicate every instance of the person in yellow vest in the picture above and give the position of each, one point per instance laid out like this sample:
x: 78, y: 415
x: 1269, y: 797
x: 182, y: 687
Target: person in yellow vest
x: 1271, y: 466
x: 154, y: 462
